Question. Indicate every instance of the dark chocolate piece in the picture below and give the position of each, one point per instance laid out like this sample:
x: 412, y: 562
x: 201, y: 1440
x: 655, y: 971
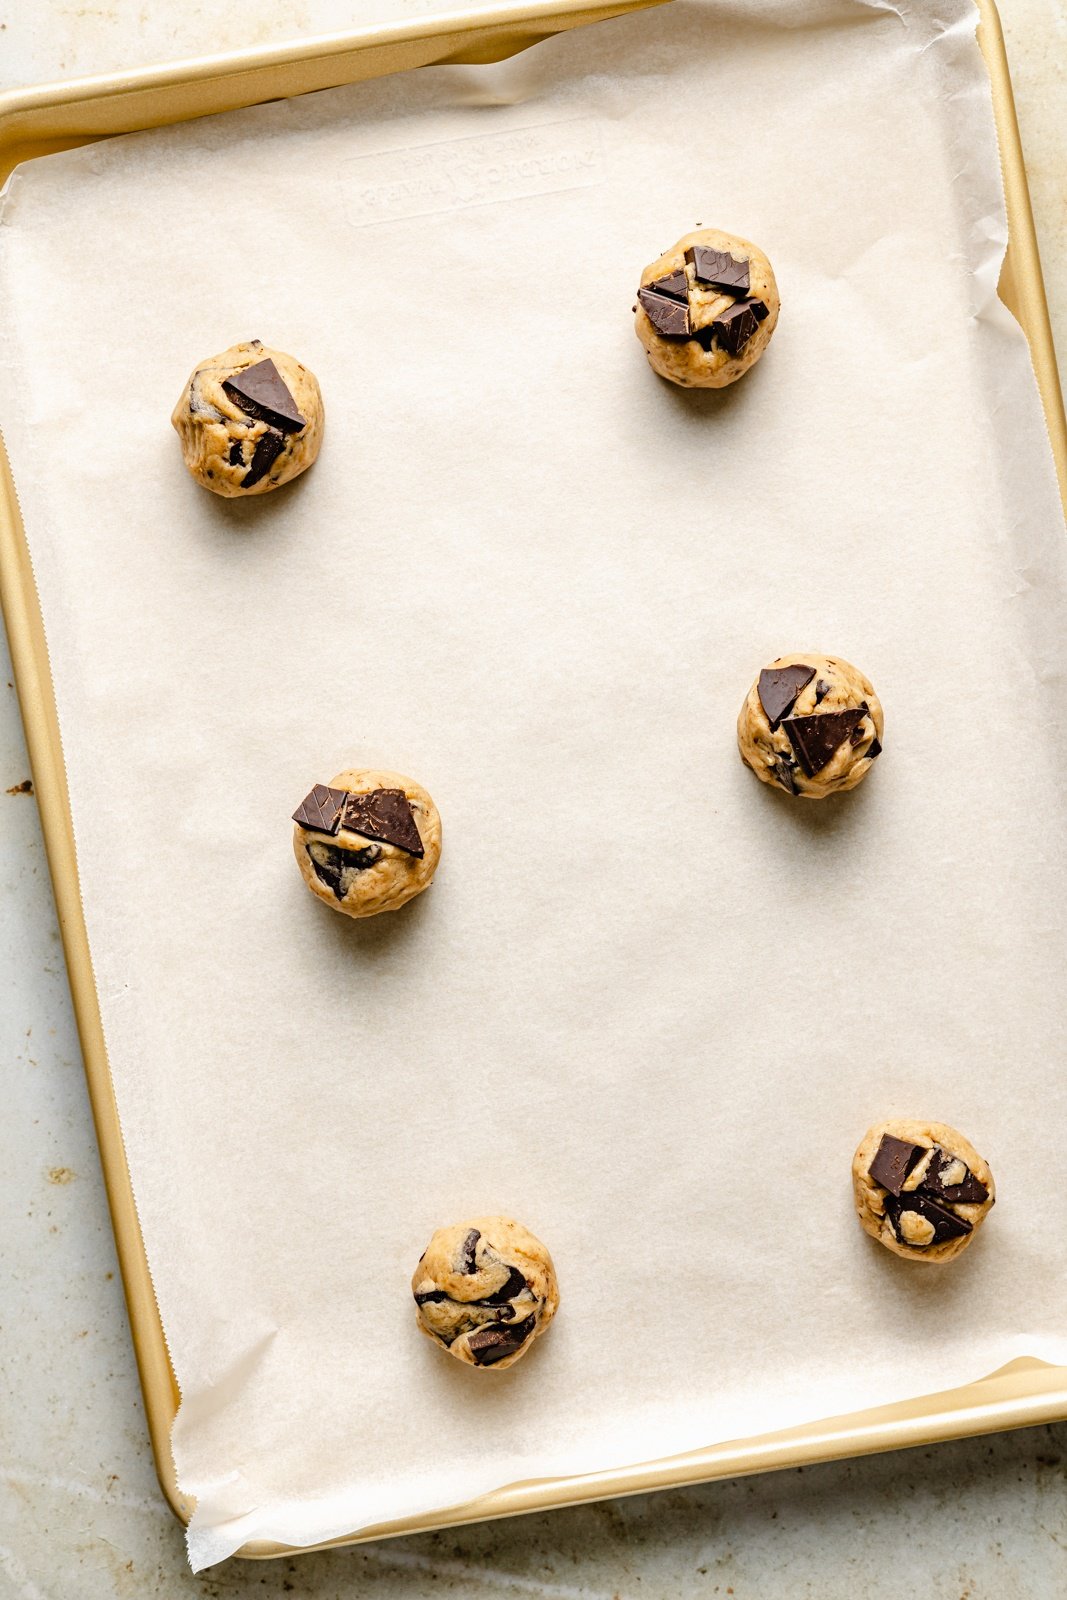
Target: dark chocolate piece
x: 857, y: 736
x: 330, y: 863
x: 816, y: 738
x: 321, y: 809
x: 784, y: 768
x: 946, y: 1224
x: 237, y: 452
x: 384, y: 814
x: 875, y: 750
x: 822, y: 689
x: 893, y: 1160
x: 778, y: 688
x: 269, y: 447
x: 970, y: 1191
x: 515, y: 1285
x: 669, y: 317
x: 430, y: 1297
x: 262, y: 392
x: 718, y: 270
x: 675, y: 286
x: 735, y: 326
x: 465, y: 1259
x: 494, y: 1341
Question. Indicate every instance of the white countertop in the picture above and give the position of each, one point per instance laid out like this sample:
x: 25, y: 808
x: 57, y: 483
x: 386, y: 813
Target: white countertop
x: 81, y: 1517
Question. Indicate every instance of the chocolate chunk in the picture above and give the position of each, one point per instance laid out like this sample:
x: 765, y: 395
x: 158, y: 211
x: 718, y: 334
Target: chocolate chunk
x: 237, y: 452
x: 384, y: 814
x: 269, y: 447
x: 330, y: 863
x: 946, y: 1224
x: 675, y: 286
x: 893, y: 1160
x: 494, y: 1341
x: 736, y: 325
x: 718, y: 270
x: 515, y: 1285
x: 668, y: 316
x: 465, y: 1259
x: 784, y: 769
x: 822, y: 689
x: 778, y: 688
x: 262, y: 392
x: 430, y: 1297
x: 816, y: 738
x: 875, y: 749
x: 968, y: 1191
x: 857, y: 736
x: 321, y: 809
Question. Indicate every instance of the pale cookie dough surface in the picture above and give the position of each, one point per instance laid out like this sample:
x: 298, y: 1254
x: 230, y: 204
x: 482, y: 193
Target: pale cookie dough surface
x: 685, y: 360
x: 782, y: 743
x: 485, y: 1290
x: 220, y: 440
x: 929, y: 1191
x: 360, y: 875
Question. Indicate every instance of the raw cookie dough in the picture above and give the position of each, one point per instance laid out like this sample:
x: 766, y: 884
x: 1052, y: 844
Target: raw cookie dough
x: 484, y: 1290
x: 249, y: 420
x: 921, y: 1189
x: 367, y: 841
x: 811, y: 725
x: 706, y: 309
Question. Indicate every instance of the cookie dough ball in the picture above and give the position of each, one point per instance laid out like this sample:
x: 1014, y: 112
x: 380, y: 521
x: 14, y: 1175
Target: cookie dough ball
x: 706, y: 309
x: 484, y: 1290
x: 811, y: 725
x: 921, y: 1189
x: 367, y: 841
x: 249, y: 420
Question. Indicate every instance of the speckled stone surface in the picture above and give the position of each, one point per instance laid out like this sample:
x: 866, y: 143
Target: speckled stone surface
x: 80, y: 1514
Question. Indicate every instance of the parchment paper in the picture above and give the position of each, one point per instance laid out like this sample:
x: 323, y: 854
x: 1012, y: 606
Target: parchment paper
x: 648, y: 1006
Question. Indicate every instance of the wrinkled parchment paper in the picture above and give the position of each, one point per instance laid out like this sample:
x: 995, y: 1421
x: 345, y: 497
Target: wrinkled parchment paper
x: 648, y: 1006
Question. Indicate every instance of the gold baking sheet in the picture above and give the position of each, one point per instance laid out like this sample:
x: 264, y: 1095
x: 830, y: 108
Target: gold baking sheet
x: 38, y: 121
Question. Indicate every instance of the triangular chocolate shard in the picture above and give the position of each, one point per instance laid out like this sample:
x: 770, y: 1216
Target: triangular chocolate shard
x: 675, y: 286
x: 262, y: 392
x: 948, y: 1178
x: 321, y: 809
x: 736, y: 325
x: 816, y: 738
x: 384, y: 814
x: 778, y: 688
x: 718, y: 270
x: 670, y: 318
x: 893, y: 1160
x: 945, y: 1224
